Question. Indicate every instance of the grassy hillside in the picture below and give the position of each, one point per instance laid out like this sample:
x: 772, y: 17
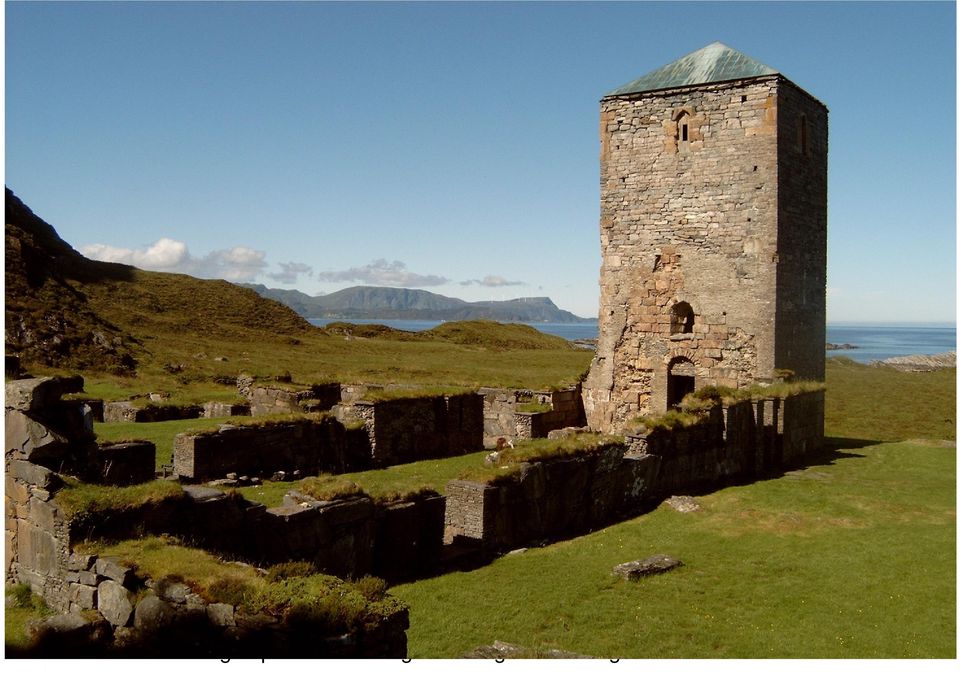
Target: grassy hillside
x: 131, y: 331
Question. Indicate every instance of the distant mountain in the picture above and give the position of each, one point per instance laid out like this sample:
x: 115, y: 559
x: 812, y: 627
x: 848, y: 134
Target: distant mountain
x: 365, y: 302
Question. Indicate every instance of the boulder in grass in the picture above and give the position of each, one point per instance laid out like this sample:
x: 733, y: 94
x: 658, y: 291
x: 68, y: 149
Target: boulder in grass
x: 654, y: 565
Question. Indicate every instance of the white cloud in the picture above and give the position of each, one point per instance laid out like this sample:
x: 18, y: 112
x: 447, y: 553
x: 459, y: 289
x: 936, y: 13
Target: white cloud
x: 290, y: 272
x: 382, y: 272
x: 238, y: 264
x: 493, y: 281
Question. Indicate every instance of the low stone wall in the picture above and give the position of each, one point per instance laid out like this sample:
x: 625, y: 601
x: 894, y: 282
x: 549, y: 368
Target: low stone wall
x: 126, y: 463
x: 802, y: 429
x: 549, y: 499
x: 408, y: 538
x: 128, y: 412
x: 416, y: 428
x: 225, y: 409
x: 113, y: 610
x: 276, y: 400
x: 308, y: 445
x: 561, y: 496
x: 735, y: 442
x: 502, y: 419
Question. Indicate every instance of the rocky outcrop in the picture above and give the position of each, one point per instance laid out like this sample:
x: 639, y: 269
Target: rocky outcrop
x: 921, y: 363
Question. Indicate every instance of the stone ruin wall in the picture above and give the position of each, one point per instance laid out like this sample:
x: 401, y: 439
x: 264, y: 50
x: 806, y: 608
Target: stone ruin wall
x: 560, y: 497
x: 307, y: 446
x: 502, y: 420
x: 724, y: 222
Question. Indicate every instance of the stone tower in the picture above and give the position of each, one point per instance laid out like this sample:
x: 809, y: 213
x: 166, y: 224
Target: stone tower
x: 713, y: 233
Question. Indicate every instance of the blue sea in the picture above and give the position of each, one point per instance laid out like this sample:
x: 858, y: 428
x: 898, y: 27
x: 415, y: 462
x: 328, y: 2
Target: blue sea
x: 879, y: 341
x: 874, y: 341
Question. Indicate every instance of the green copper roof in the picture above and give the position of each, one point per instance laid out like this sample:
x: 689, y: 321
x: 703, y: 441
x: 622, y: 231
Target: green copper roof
x: 714, y: 63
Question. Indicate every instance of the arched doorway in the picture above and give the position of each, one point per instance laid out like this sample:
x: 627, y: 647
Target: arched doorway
x: 681, y: 380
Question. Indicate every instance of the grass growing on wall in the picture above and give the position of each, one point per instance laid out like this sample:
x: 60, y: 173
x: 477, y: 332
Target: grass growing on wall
x: 290, y: 592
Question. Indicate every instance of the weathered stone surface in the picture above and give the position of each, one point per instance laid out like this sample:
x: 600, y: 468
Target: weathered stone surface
x: 31, y: 439
x: 35, y: 475
x: 114, y: 602
x: 653, y: 565
x: 174, y: 592
x: 683, y: 503
x: 32, y: 394
x: 221, y: 614
x: 37, y: 549
x: 112, y: 569
x: 83, y: 596
x: 152, y: 614
x: 126, y: 463
x: 81, y: 561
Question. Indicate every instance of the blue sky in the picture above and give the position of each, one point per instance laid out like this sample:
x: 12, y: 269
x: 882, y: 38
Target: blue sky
x: 452, y: 147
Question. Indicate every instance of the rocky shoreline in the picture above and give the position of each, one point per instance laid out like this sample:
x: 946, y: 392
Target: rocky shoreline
x: 920, y: 363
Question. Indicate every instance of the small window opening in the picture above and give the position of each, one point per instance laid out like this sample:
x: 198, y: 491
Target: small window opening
x: 681, y: 318
x: 743, y: 99
x: 802, y: 135
x: 683, y: 132
x: 754, y: 169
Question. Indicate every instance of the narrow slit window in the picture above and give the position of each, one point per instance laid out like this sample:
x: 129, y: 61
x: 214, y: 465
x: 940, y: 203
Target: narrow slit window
x: 683, y: 132
x: 802, y: 144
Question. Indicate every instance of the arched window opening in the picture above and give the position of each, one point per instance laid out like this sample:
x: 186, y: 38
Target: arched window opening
x: 681, y: 318
x: 683, y: 127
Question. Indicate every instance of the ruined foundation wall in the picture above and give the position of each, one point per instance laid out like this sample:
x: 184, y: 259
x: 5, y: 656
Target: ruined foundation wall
x: 410, y: 429
x: 310, y: 446
x: 561, y: 496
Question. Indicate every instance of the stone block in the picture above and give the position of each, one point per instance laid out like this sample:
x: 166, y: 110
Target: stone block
x: 30, y: 439
x: 114, y: 602
x: 37, y: 548
x: 112, y: 569
x: 42, y: 514
x: 32, y: 394
x: 653, y: 565
x: 152, y: 614
x: 83, y: 596
x: 88, y: 578
x: 16, y: 490
x: 221, y: 614
x: 81, y: 561
x: 35, y: 475
x: 126, y: 463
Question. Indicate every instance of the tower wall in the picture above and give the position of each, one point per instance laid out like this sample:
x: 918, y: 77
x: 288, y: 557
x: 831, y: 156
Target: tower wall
x: 802, y: 234
x: 694, y: 216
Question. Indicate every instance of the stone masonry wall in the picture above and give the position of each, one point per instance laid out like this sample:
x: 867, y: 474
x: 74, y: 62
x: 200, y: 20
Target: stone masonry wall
x: 698, y: 223
x: 409, y: 429
x: 802, y: 235
x: 308, y: 445
x: 501, y: 418
x: 554, y: 498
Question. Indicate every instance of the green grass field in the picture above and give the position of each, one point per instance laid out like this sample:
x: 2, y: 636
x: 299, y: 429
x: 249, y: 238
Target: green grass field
x: 854, y: 555
x: 850, y: 556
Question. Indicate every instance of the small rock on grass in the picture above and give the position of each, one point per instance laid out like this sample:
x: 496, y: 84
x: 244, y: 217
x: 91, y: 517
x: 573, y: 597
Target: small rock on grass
x: 653, y: 565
